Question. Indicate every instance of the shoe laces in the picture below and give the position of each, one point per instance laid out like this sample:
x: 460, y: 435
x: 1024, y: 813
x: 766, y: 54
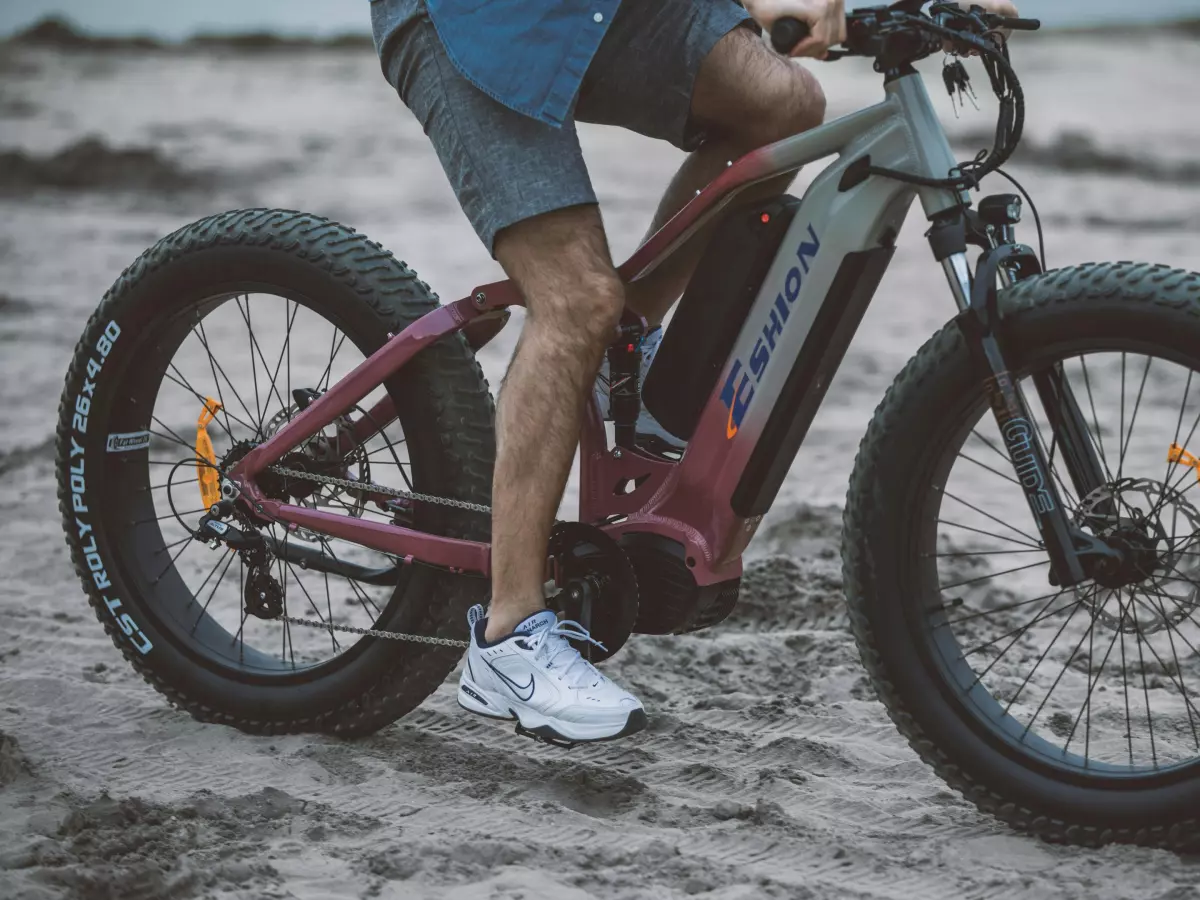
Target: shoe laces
x: 551, y: 642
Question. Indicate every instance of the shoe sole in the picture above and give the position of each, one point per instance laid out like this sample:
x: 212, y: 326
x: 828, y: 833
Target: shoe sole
x: 486, y: 704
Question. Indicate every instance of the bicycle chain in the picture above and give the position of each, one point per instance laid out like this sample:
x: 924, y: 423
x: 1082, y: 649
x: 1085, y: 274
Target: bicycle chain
x: 346, y: 484
x: 375, y: 632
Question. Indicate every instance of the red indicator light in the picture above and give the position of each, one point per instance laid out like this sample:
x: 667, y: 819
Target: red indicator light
x: 766, y: 217
x: 630, y: 349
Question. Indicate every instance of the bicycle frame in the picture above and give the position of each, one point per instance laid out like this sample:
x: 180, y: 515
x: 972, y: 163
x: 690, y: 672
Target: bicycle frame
x: 832, y: 258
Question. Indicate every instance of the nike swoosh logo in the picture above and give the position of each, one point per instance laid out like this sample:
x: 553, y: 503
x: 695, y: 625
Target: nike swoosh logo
x: 730, y: 428
x: 517, y: 689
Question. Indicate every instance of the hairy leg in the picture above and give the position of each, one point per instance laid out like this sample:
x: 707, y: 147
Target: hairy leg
x: 745, y: 96
x: 561, y: 263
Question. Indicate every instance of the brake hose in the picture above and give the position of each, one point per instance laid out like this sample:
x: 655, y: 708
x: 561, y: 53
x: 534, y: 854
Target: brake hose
x: 1009, y: 125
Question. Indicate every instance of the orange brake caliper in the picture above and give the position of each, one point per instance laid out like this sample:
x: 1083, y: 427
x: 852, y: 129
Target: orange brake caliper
x: 206, y: 458
x: 1181, y: 457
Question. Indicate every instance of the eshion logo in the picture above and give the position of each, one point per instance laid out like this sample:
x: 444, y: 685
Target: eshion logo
x: 738, y: 393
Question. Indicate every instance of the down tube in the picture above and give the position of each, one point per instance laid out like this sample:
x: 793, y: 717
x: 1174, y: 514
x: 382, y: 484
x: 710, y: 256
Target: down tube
x: 810, y: 305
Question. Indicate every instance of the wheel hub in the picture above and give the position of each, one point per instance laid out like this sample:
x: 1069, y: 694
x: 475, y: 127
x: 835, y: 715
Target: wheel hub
x: 1138, y: 558
x: 1128, y: 516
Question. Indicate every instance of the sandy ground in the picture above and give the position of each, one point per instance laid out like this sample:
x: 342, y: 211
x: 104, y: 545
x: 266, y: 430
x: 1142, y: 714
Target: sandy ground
x: 768, y: 771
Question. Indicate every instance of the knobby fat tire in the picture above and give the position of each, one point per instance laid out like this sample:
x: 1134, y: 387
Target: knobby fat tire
x: 340, y: 270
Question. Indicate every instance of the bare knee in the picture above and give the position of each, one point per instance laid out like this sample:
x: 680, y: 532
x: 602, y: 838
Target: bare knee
x: 562, y: 265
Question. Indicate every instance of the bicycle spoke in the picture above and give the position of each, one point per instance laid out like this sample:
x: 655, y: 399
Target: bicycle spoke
x: 171, y: 563
x: 1041, y: 616
x: 350, y: 581
x: 1125, y: 683
x: 245, y: 313
x: 998, y: 609
x: 182, y: 382
x: 229, y: 557
x: 329, y: 624
x: 323, y: 381
x: 1011, y: 528
x: 286, y: 404
x: 170, y: 435
x: 1042, y: 657
x: 218, y: 368
x: 978, y: 553
x: 1133, y: 415
x: 1061, y: 672
x: 989, y: 468
x: 958, y: 584
x: 216, y: 381
x: 1121, y: 444
x: 1178, y: 678
x: 287, y: 628
x: 1095, y: 419
x: 170, y: 515
x: 998, y: 537
x: 1087, y: 704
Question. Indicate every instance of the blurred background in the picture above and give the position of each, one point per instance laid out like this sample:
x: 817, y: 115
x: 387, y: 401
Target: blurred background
x: 123, y: 120
x: 107, y: 143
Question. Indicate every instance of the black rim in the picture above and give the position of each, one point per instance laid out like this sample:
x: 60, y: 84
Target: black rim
x: 249, y: 351
x: 1097, y: 680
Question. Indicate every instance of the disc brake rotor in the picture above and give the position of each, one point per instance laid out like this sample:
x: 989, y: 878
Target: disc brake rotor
x: 324, y: 455
x: 1148, y: 518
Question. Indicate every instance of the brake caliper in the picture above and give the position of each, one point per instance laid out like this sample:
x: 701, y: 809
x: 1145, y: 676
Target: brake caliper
x: 1181, y: 457
x: 206, y: 458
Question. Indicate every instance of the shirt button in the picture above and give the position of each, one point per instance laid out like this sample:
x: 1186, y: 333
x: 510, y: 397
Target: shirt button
x: 598, y: 18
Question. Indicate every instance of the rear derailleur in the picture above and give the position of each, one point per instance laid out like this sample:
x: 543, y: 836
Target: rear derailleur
x: 261, y: 594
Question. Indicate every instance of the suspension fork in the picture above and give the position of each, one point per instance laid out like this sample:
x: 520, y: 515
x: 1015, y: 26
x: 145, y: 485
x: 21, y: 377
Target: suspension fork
x: 1073, y: 553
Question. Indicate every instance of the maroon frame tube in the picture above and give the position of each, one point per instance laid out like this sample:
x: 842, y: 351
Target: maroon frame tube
x: 642, y: 493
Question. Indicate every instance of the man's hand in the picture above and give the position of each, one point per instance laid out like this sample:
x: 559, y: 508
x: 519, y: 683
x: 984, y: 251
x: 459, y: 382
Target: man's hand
x: 826, y: 20
x: 995, y: 7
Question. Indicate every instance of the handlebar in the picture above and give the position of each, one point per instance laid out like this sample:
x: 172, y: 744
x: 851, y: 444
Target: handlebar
x: 903, y: 33
x: 787, y: 32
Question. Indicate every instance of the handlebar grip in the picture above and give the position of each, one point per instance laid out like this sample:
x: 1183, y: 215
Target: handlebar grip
x: 1022, y: 24
x: 786, y: 33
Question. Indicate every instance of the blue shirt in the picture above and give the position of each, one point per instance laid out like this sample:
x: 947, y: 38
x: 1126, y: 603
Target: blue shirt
x: 530, y: 55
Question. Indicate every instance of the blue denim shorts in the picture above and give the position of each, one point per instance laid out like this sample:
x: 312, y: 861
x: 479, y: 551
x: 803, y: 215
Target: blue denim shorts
x: 505, y: 166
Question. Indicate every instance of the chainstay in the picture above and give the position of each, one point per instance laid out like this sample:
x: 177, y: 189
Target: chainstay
x: 374, y: 632
x: 390, y: 492
x: 347, y: 484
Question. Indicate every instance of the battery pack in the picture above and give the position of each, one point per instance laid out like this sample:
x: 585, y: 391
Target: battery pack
x: 713, y: 309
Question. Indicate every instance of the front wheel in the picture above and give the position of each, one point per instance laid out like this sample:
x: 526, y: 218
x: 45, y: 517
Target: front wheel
x: 1073, y: 713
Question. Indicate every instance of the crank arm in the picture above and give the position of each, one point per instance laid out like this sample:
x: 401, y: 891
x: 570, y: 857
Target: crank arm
x: 1070, y: 550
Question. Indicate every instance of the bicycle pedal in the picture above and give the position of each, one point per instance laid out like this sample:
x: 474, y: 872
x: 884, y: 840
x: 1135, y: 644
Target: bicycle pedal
x: 552, y: 740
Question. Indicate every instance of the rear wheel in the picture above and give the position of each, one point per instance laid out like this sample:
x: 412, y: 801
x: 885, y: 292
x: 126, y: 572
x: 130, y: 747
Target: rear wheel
x: 1070, y: 712
x: 260, y: 311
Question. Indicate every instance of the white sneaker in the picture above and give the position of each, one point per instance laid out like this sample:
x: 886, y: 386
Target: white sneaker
x: 537, y: 678
x: 650, y: 435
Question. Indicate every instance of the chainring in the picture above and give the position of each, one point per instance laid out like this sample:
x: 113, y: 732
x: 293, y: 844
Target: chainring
x: 598, y: 587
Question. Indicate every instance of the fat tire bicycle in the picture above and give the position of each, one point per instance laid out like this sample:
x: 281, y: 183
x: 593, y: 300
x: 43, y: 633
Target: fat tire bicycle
x: 1019, y: 572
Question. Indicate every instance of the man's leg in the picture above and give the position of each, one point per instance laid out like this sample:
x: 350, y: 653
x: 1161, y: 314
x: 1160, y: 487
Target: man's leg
x: 745, y: 96
x: 561, y: 263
